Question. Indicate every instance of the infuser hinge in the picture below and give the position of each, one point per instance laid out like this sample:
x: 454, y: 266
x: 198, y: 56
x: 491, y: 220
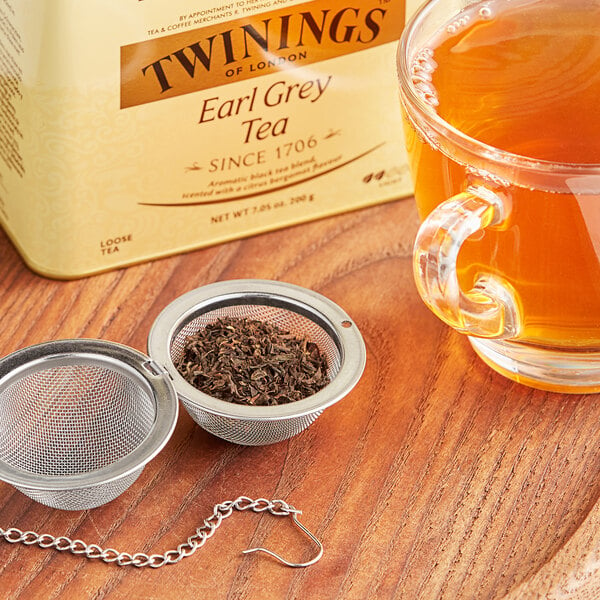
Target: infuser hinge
x: 155, y: 369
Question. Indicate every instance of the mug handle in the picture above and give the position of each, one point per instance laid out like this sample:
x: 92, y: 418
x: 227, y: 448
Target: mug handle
x: 490, y: 309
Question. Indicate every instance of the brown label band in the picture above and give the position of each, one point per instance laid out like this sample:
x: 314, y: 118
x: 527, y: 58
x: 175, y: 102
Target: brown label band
x: 252, y: 46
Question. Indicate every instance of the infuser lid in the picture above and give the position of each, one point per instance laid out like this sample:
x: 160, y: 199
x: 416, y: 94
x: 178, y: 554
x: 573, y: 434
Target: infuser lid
x: 80, y: 413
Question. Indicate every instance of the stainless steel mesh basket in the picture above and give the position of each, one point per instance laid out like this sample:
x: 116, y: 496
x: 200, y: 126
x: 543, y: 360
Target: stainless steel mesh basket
x: 79, y: 419
x: 300, y: 311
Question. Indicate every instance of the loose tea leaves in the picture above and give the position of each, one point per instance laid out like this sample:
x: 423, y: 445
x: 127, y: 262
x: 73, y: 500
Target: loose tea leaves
x: 252, y: 362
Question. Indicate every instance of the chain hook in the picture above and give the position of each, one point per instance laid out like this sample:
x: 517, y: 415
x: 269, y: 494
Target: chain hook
x: 312, y: 561
x: 203, y: 533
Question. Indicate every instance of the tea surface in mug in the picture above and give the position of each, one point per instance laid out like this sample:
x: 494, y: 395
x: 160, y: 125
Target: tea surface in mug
x: 524, y: 79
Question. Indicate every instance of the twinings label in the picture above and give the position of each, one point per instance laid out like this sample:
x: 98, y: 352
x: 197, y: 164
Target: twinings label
x: 134, y: 129
x: 253, y: 46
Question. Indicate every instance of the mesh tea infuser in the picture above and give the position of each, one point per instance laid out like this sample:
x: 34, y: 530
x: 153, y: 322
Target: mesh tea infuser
x: 79, y: 419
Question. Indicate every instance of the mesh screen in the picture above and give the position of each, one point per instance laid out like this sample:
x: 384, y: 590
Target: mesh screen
x: 72, y: 419
x: 247, y: 432
x: 82, y: 499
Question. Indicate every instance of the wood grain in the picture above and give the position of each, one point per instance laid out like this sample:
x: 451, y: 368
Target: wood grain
x: 435, y: 478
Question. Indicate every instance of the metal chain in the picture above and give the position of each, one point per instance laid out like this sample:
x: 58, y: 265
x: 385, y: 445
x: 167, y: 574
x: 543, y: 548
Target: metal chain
x: 197, y: 540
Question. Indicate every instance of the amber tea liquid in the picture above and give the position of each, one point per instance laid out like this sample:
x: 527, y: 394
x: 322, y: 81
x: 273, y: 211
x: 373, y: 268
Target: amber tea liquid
x: 526, y: 80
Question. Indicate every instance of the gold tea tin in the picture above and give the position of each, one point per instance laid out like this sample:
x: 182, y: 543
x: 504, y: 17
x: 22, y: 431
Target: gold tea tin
x: 133, y: 130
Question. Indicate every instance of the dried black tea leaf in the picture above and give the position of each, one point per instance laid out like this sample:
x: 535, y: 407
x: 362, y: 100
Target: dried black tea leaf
x: 248, y: 361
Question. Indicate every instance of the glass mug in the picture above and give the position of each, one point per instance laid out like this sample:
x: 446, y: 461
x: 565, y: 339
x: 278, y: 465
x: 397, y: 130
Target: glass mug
x: 502, y: 126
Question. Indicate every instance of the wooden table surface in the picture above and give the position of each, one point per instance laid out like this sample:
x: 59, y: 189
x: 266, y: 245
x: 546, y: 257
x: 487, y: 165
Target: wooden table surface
x: 434, y: 478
